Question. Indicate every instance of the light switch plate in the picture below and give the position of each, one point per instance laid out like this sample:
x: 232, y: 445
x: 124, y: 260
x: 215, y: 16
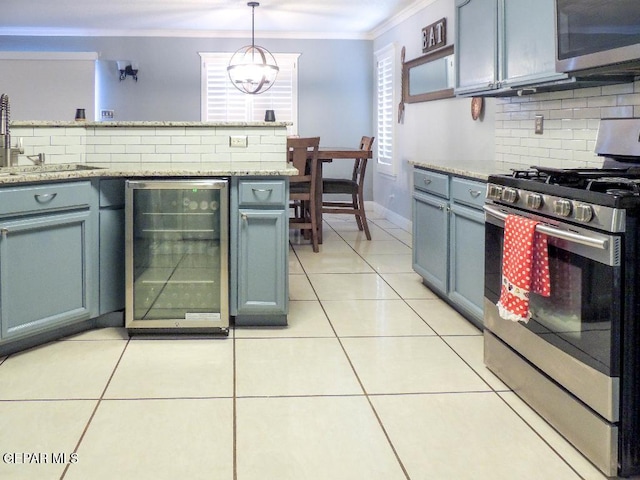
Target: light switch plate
x: 539, y: 124
x: 106, y: 114
x: 238, y: 141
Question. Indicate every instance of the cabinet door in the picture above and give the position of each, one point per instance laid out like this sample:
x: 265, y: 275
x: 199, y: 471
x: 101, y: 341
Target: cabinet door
x: 262, y: 250
x: 44, y: 268
x: 430, y: 240
x: 476, y: 45
x: 529, y: 42
x: 466, y: 286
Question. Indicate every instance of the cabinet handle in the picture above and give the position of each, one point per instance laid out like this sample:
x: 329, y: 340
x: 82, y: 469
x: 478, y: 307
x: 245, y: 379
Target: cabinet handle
x: 262, y: 190
x: 474, y: 193
x: 45, y: 197
x: 427, y: 181
x: 244, y: 217
x: 4, y: 232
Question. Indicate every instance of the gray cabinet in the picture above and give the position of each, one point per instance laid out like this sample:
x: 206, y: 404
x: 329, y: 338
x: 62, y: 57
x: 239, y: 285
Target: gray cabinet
x: 504, y: 45
x: 111, y: 256
x: 259, y: 251
x: 47, y: 269
x: 448, y: 238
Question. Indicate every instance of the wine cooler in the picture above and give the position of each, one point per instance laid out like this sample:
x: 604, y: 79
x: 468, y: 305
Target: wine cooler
x: 176, y: 251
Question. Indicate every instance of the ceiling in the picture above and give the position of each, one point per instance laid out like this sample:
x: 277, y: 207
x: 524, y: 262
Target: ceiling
x: 273, y: 18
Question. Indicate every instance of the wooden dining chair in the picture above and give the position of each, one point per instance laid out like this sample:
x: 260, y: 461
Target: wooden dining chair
x: 354, y: 187
x: 303, y: 154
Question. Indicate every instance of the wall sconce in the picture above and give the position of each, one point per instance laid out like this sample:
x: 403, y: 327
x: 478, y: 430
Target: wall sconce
x: 125, y: 67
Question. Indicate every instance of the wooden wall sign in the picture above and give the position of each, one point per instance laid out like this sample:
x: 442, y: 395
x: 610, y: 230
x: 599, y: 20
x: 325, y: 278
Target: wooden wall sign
x: 434, y: 36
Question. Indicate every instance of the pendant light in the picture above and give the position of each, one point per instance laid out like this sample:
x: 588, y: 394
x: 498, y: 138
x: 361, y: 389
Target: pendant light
x: 253, y: 69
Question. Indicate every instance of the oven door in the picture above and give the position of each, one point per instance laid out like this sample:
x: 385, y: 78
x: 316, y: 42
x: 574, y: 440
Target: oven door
x: 573, y: 335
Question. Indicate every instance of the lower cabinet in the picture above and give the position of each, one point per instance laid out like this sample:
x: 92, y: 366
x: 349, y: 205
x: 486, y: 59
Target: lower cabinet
x: 111, y: 249
x: 259, y: 251
x: 448, y: 239
x: 47, y: 268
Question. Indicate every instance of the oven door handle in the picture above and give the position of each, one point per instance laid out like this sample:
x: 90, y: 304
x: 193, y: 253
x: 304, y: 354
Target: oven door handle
x: 601, y: 243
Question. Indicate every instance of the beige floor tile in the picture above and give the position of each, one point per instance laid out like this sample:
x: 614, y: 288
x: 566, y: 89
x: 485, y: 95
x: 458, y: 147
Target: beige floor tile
x: 442, y: 318
x: 336, y: 262
x: 374, y: 318
x: 158, y: 439
x: 306, y: 319
x: 471, y: 349
x: 295, y: 268
x: 384, y: 223
x: 358, y: 286
x: 380, y: 247
x: 312, y: 438
x: 410, y: 365
x: 551, y: 436
x: 408, y: 285
x: 60, y: 370
x: 390, y: 263
x: 402, y: 235
x: 300, y: 288
x: 101, y: 334
x: 471, y: 436
x: 324, y: 248
x: 293, y: 366
x: 377, y: 234
x: 173, y: 369
x: 50, y: 430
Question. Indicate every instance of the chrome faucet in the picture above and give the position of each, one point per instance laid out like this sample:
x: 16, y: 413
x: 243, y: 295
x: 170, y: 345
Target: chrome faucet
x: 8, y: 154
x: 5, y: 136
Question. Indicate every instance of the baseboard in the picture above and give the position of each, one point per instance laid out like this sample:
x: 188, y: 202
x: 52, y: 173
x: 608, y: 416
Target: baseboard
x: 393, y: 217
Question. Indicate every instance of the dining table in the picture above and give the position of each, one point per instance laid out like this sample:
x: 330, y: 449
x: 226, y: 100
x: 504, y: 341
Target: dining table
x: 327, y: 155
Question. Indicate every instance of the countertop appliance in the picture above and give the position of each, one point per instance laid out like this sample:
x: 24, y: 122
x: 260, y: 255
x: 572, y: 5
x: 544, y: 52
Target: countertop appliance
x: 577, y: 360
x: 598, y: 36
x: 176, y: 255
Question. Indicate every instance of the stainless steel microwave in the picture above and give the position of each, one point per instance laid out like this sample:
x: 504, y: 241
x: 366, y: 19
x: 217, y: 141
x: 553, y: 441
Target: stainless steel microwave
x: 598, y: 36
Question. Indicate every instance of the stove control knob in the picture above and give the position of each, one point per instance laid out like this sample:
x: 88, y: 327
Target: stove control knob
x: 534, y: 200
x: 562, y: 208
x: 583, y: 212
x: 494, y: 192
x: 510, y: 195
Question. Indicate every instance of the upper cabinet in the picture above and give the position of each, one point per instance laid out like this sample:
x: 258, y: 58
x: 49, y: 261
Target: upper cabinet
x: 504, y: 45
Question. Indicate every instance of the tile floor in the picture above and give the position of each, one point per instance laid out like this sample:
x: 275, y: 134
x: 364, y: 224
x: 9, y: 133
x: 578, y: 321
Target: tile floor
x: 374, y: 378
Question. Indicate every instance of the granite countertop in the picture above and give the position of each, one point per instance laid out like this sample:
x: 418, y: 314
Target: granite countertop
x: 52, y: 172
x: 475, y: 170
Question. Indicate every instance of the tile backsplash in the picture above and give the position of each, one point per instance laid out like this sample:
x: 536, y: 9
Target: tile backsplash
x: 149, y: 143
x: 570, y: 126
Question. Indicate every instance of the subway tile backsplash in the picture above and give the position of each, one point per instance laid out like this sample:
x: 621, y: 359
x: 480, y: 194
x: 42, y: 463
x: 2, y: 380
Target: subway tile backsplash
x: 571, y: 121
x: 113, y: 145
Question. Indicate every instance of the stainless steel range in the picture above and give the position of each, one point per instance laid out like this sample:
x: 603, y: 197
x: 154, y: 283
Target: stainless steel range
x: 577, y: 360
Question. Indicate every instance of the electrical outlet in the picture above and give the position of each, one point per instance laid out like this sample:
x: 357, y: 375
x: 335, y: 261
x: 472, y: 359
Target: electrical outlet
x: 106, y: 114
x: 239, y: 141
x: 539, y: 124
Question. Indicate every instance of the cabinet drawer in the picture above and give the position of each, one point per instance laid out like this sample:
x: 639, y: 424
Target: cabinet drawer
x: 40, y: 198
x: 254, y: 193
x: 431, y: 182
x: 468, y: 192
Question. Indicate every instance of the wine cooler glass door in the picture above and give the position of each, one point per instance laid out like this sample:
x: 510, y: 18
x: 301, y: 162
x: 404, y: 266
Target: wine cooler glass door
x: 177, y: 260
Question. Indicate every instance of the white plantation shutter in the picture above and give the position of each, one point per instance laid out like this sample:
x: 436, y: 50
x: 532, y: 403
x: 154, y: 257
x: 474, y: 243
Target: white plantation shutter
x: 386, y: 105
x: 221, y: 101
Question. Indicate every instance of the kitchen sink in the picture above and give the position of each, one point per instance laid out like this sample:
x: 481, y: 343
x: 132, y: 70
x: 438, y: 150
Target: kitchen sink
x: 44, y: 169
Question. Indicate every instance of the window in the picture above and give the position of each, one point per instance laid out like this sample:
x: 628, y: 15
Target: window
x: 386, y: 107
x: 222, y: 102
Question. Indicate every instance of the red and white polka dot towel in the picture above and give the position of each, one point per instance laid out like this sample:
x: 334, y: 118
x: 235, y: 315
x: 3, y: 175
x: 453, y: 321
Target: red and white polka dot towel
x: 525, y: 268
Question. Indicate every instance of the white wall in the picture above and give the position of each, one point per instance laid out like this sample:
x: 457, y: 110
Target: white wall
x: 48, y: 86
x: 440, y: 131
